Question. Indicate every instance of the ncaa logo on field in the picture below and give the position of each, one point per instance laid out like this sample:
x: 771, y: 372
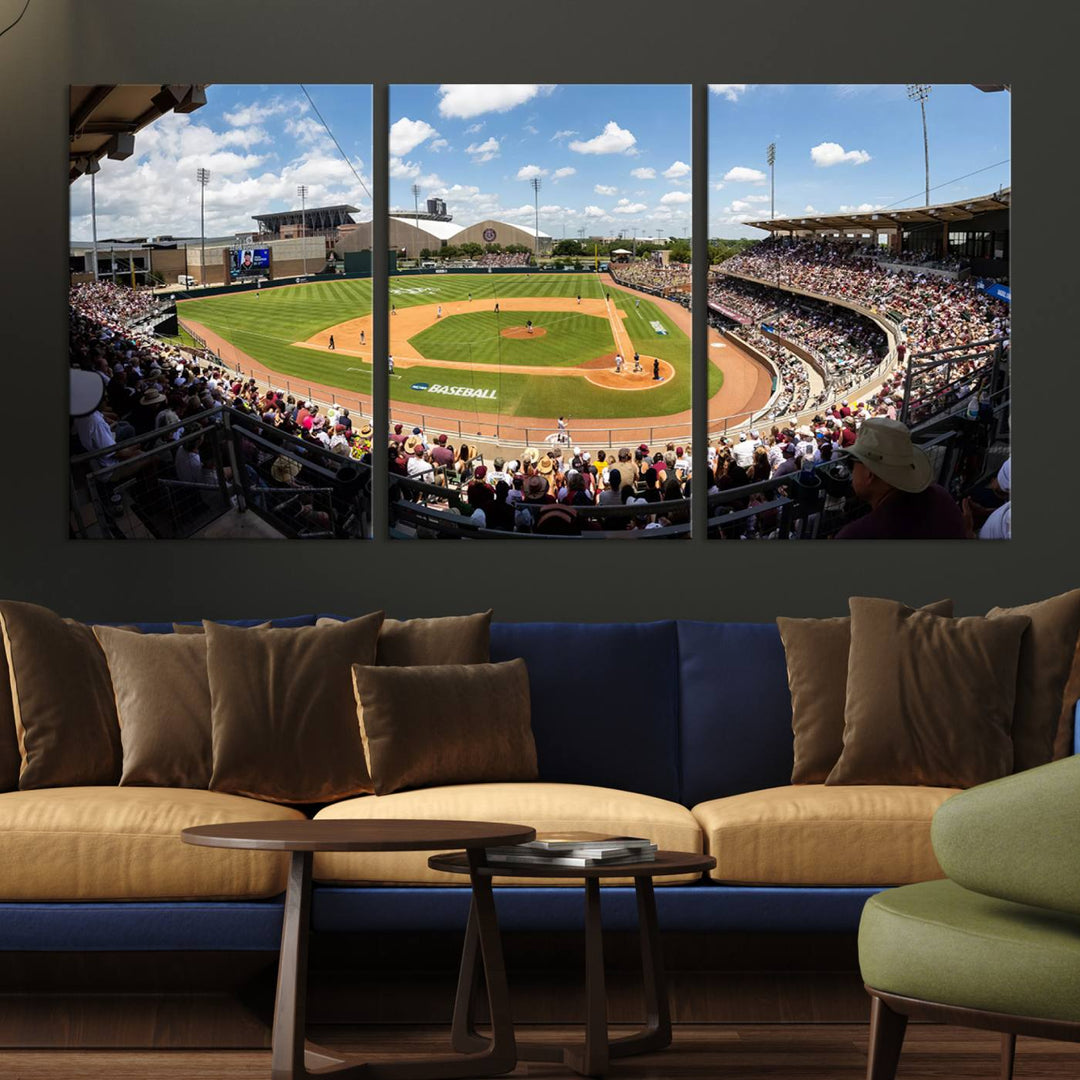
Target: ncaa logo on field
x: 419, y: 386
x: 489, y: 235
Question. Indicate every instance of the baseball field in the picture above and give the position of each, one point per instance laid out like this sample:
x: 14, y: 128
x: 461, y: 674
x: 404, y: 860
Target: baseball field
x: 463, y: 344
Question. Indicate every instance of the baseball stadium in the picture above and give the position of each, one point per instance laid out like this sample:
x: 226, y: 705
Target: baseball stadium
x: 533, y: 394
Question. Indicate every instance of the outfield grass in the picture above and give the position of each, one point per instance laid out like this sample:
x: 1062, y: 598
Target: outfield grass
x: 476, y: 338
x: 265, y: 324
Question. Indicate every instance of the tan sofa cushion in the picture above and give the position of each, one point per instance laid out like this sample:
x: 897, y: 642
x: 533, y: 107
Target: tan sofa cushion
x: 546, y: 807
x: 123, y: 843
x: 810, y: 834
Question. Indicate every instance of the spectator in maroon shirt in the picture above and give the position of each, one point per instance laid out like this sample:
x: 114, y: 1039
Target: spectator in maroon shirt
x: 440, y: 453
x: 895, y: 477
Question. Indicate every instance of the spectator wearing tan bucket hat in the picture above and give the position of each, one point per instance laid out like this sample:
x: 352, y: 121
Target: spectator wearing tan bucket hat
x: 896, y: 478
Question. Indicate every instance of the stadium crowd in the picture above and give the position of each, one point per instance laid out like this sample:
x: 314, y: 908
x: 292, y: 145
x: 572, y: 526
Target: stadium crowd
x: 545, y: 492
x: 504, y: 258
x: 933, y: 312
x: 652, y: 278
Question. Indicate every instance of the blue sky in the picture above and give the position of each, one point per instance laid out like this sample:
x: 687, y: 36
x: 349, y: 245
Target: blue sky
x: 848, y: 147
x: 610, y: 158
x: 259, y: 143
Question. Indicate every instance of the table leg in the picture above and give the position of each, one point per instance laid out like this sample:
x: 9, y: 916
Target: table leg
x: 592, y: 1059
x: 463, y: 1034
x: 294, y: 1059
x: 657, y: 1031
x: 287, y: 1056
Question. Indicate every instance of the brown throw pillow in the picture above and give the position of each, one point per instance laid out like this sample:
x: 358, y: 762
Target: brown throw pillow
x: 455, y: 639
x: 1065, y: 738
x: 163, y: 702
x: 197, y: 628
x: 817, y: 663
x: 1046, y: 656
x: 283, y: 713
x: 9, y: 738
x: 62, y: 697
x: 448, y: 724
x: 929, y: 700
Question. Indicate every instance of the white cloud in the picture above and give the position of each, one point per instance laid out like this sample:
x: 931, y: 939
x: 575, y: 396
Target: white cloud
x: 605, y: 189
x: 593, y: 212
x: 676, y: 170
x: 673, y: 197
x: 718, y: 185
x: 563, y: 173
x: 472, y: 129
x: 527, y: 172
x: 739, y: 206
x: 155, y: 192
x: 757, y: 198
x: 808, y: 209
x: 625, y: 206
x: 406, y: 135
x: 731, y: 91
x: 438, y: 144
x: 827, y: 154
x: 565, y: 133
x: 246, y: 115
x: 862, y: 208
x: 555, y: 209
x: 485, y: 151
x: 643, y: 173
x: 403, y: 170
x: 307, y: 130
x: 612, y: 140
x: 466, y: 100
x: 742, y: 175
x: 531, y: 130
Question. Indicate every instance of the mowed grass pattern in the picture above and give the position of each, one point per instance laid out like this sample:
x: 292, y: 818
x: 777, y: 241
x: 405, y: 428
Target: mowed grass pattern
x: 264, y: 325
x: 476, y: 338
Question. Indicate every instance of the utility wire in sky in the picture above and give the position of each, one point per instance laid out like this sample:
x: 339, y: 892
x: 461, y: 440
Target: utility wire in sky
x: 336, y: 143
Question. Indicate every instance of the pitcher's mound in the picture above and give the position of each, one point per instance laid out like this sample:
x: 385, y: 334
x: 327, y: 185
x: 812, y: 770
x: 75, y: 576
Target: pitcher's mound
x: 521, y: 332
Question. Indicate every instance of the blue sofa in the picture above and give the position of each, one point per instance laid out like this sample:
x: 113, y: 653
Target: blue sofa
x: 681, y: 711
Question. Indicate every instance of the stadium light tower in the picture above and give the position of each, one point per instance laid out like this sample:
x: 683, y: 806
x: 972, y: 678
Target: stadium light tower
x: 920, y: 92
x: 203, y: 177
x: 536, y: 202
x: 770, y: 156
x: 416, y: 207
x: 301, y: 190
x: 93, y: 167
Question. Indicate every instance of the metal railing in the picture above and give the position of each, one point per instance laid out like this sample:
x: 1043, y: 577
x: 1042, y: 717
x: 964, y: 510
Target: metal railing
x: 141, y: 487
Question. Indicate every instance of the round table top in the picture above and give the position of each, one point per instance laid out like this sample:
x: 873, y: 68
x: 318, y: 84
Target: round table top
x: 666, y: 862
x: 375, y: 834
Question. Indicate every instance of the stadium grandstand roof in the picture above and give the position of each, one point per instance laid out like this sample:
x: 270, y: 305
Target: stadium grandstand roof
x: 105, y: 119
x: 315, y: 216
x: 444, y: 230
x: 961, y: 210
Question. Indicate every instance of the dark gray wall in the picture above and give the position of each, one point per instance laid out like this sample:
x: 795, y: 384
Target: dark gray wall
x: 61, y: 42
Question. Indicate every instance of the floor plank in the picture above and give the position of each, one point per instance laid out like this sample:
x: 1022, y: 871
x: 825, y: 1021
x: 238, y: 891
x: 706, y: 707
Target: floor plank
x: 716, y: 1052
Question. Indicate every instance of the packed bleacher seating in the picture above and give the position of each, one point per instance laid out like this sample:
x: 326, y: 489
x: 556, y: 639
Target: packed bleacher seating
x: 544, y: 492
x: 504, y: 258
x: 934, y: 312
x: 652, y: 277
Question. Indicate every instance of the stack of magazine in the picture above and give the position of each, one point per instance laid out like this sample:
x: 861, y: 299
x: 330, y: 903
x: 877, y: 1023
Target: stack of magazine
x: 575, y: 849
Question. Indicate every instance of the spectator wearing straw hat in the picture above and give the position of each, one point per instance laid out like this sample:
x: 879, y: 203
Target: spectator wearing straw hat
x: 896, y: 478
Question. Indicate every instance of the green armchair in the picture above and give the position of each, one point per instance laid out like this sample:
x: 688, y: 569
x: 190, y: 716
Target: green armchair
x: 997, y: 944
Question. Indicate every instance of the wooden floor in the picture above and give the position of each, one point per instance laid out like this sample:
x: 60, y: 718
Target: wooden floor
x: 723, y: 1052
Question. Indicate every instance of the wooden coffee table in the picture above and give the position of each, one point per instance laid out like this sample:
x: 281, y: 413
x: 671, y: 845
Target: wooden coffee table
x: 291, y: 1057
x: 591, y: 1058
